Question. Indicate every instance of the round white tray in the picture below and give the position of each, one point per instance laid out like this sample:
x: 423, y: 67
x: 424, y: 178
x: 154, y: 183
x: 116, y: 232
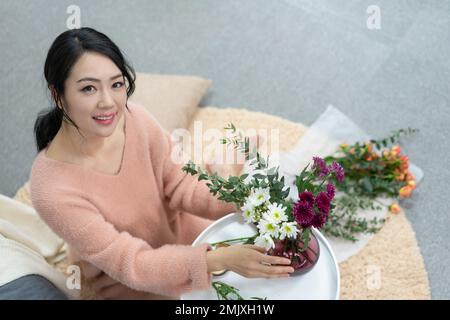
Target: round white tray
x: 322, y: 282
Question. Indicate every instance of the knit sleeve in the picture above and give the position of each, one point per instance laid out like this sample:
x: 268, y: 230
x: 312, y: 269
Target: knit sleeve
x: 168, y: 270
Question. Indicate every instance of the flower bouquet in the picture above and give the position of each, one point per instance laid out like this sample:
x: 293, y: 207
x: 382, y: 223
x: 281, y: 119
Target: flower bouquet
x: 375, y: 170
x: 283, y: 225
x: 328, y: 199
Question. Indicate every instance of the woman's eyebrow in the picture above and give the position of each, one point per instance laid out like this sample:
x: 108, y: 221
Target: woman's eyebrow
x: 98, y: 80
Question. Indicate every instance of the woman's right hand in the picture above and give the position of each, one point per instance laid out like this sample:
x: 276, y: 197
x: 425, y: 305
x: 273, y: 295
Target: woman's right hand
x: 249, y: 261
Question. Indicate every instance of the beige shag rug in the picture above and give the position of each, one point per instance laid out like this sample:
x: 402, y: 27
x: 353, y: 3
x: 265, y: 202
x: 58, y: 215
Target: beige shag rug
x: 389, y: 267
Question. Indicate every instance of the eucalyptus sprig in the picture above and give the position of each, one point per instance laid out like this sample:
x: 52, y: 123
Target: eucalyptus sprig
x: 393, y: 138
x: 227, y: 292
x: 237, y: 140
x: 232, y: 189
x: 343, y: 221
x: 242, y: 144
x: 235, y: 189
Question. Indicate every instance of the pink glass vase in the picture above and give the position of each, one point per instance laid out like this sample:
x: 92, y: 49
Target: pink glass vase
x: 302, y: 259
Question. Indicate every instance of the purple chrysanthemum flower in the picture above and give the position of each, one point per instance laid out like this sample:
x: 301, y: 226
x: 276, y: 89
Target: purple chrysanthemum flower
x: 320, y: 166
x: 303, y: 213
x: 323, y: 202
x: 319, y: 220
x: 330, y: 191
x: 338, y: 171
x: 307, y: 197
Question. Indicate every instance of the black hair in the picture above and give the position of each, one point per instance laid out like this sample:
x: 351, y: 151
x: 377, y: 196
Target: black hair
x: 64, y: 52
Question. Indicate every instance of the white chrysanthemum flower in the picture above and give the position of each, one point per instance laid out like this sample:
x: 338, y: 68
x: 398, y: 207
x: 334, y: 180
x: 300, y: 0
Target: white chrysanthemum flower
x: 248, y: 211
x: 288, y: 230
x: 265, y: 241
x: 276, y: 213
x: 268, y: 227
x: 259, y: 196
x: 248, y: 216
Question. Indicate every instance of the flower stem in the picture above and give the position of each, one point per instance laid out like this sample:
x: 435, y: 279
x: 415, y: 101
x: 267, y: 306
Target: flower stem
x: 306, y: 256
x: 315, y: 253
x: 233, y: 240
x: 328, y: 176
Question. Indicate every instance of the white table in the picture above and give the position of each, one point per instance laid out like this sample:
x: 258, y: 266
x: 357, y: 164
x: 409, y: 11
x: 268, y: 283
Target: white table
x: 322, y: 282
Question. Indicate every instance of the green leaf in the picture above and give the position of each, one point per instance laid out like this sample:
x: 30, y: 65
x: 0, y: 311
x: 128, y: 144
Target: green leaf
x: 233, y: 180
x: 259, y: 176
x: 244, y: 176
x: 367, y: 185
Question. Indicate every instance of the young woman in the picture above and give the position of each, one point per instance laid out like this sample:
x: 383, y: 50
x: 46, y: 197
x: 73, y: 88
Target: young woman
x: 105, y: 181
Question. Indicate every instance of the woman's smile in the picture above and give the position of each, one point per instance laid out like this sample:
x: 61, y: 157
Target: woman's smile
x: 105, y: 120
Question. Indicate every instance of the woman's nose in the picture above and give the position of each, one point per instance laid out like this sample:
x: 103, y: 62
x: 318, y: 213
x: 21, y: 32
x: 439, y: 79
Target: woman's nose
x: 106, y: 99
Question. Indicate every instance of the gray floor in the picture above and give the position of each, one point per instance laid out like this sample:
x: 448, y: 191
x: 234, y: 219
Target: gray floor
x: 289, y: 58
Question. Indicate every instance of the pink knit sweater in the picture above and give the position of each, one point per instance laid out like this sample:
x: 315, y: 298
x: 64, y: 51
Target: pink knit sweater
x: 135, y: 226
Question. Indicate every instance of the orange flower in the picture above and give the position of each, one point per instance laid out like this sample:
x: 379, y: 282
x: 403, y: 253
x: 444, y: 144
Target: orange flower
x: 386, y: 154
x: 373, y: 155
x: 404, y: 159
x: 344, y: 146
x: 369, y: 158
x: 394, y: 208
x: 369, y: 146
x: 396, y: 150
x: 405, y: 192
x: 409, y: 176
x: 411, y: 183
x: 400, y: 177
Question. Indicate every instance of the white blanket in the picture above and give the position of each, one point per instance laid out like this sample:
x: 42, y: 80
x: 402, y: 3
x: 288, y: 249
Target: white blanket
x: 28, y: 246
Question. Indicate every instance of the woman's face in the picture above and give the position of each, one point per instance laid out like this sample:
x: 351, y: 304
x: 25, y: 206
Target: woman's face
x: 95, y: 87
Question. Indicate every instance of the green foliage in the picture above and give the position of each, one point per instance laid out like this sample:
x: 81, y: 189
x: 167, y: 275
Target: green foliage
x: 364, y: 182
x: 226, y: 292
x: 234, y: 189
x: 369, y: 174
x: 393, y: 138
x: 343, y: 221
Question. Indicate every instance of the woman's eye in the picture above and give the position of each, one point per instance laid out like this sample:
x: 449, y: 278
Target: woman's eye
x: 118, y: 85
x: 88, y: 89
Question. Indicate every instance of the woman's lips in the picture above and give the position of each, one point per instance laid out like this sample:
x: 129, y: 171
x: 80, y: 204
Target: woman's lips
x: 105, y: 121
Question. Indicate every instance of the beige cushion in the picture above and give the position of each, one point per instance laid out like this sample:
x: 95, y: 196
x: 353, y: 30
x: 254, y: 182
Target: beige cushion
x: 171, y: 99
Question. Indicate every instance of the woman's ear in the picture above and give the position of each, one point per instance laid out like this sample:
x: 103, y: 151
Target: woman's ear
x: 54, y: 94
x: 55, y: 97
